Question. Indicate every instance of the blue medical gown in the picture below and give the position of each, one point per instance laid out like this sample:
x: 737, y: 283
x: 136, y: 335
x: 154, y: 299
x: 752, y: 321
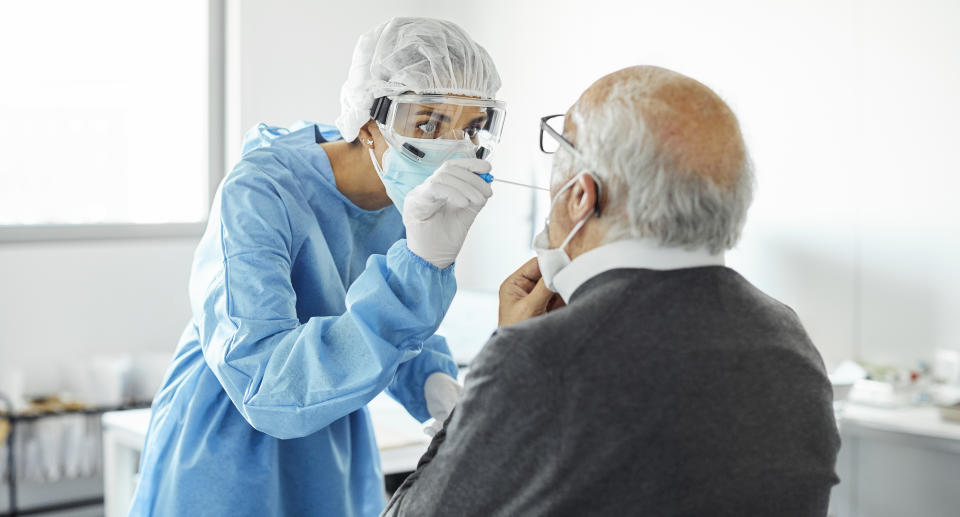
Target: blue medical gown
x: 305, y: 307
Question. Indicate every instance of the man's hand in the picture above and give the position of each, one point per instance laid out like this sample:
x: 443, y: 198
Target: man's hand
x: 523, y: 295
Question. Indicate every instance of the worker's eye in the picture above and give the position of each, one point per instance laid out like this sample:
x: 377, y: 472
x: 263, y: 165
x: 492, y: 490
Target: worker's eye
x: 428, y: 129
x: 472, y: 131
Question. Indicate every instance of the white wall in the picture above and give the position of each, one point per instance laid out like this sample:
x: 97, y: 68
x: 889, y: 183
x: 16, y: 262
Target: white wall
x: 64, y: 303
x: 293, y: 59
x: 848, y: 108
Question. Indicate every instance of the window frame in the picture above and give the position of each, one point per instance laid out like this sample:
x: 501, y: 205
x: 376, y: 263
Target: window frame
x: 215, y: 160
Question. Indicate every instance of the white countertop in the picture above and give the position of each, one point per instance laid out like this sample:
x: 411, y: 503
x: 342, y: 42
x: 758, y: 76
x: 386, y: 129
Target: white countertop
x: 400, y: 438
x: 402, y: 442
x: 915, y: 420
x: 133, y: 421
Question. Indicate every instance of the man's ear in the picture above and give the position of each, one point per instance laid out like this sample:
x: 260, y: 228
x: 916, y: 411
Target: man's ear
x: 583, y: 198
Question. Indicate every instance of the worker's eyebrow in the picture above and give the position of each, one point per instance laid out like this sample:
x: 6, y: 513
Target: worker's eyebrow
x: 441, y: 116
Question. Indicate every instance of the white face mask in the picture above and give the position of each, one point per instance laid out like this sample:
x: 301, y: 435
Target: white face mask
x: 552, y: 261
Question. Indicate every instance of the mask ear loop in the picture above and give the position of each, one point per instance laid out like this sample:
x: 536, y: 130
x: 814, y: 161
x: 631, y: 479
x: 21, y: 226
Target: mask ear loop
x: 376, y: 165
x: 576, y: 228
x: 568, y: 184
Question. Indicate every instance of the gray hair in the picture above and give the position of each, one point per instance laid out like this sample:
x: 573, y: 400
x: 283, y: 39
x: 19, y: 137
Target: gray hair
x: 648, y: 192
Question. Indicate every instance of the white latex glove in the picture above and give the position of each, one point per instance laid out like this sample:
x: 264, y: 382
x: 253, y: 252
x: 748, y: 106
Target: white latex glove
x: 441, y: 393
x: 438, y: 213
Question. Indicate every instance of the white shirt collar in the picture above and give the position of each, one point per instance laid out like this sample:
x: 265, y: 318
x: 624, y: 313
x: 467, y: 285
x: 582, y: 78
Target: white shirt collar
x: 630, y: 253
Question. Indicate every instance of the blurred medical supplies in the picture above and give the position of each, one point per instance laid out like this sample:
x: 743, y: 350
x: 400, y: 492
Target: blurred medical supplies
x: 947, y: 398
x: 950, y: 413
x: 101, y: 381
x: 53, y: 440
x: 946, y: 366
x: 885, y: 386
x: 844, y: 377
x: 12, y: 387
x: 56, y: 437
x: 113, y: 381
x: 877, y: 393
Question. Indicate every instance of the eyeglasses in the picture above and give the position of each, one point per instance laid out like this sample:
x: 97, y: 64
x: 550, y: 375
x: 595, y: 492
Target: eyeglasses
x: 553, y: 125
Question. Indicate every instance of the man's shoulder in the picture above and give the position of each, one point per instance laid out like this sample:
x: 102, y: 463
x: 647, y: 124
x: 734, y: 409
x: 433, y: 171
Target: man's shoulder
x: 538, y: 341
x: 703, y: 289
x: 643, y: 307
x: 540, y: 327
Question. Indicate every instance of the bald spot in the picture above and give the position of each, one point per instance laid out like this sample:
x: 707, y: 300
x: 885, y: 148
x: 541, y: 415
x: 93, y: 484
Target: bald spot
x: 692, y: 126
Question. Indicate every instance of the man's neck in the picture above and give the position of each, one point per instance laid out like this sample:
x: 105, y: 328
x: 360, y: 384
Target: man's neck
x: 630, y: 254
x: 589, y: 237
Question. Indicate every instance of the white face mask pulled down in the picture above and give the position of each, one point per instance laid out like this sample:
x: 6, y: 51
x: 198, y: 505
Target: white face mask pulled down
x: 553, y: 260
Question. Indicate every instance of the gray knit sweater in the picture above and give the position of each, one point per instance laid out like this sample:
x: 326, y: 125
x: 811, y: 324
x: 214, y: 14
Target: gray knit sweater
x: 658, y: 393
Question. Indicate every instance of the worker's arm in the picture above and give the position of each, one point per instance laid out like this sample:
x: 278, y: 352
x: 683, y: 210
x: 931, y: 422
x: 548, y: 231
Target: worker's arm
x: 287, y: 378
x: 408, y: 386
x: 491, y: 453
x: 437, y: 215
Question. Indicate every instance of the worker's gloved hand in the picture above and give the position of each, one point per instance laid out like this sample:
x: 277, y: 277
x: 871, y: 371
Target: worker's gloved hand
x: 439, y: 212
x: 441, y: 393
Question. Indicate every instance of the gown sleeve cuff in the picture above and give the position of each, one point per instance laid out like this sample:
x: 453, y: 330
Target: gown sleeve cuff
x: 403, y: 251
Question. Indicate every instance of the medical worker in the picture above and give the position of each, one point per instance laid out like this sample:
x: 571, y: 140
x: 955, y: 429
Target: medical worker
x: 325, y: 270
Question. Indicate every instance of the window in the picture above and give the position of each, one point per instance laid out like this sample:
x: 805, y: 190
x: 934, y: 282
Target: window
x: 105, y: 111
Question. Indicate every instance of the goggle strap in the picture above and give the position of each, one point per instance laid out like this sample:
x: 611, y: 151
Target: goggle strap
x: 489, y: 122
x: 380, y: 108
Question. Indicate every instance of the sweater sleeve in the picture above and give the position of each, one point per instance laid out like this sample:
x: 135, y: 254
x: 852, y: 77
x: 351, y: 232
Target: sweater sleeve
x: 495, y: 439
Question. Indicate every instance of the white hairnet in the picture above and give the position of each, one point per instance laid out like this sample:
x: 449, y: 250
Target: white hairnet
x: 419, y: 55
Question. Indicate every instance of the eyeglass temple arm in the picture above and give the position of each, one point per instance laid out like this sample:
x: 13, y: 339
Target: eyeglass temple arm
x: 556, y: 136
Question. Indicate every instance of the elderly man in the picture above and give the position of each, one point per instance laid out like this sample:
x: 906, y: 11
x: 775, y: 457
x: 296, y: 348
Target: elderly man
x: 667, y: 384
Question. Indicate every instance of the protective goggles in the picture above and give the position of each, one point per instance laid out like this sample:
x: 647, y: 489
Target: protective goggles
x: 430, y: 129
